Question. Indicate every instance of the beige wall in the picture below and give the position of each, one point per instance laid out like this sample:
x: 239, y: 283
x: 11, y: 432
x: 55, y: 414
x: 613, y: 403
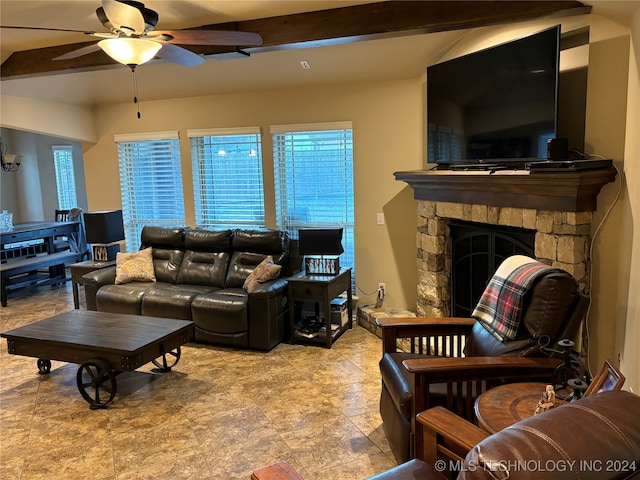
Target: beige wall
x: 387, y: 137
x: 628, y: 335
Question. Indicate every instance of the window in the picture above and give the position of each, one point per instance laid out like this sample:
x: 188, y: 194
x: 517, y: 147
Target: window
x: 314, y: 179
x: 65, y: 178
x: 151, y: 183
x: 227, y: 177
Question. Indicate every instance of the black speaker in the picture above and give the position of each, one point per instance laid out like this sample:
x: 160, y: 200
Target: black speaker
x: 558, y: 149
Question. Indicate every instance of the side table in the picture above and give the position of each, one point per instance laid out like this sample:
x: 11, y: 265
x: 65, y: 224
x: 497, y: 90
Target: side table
x: 79, y: 269
x: 502, y: 406
x: 320, y: 289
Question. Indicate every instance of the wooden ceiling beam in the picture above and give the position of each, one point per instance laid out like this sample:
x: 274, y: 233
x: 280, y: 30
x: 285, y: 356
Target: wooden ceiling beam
x: 373, y: 20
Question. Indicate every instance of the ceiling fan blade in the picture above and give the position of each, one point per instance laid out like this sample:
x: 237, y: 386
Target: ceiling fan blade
x: 79, y: 52
x: 180, y: 55
x: 210, y: 37
x: 15, y: 27
x: 124, y: 17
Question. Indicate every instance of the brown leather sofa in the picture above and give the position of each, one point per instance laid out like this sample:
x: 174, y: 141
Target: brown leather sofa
x: 199, y: 276
x: 596, y: 437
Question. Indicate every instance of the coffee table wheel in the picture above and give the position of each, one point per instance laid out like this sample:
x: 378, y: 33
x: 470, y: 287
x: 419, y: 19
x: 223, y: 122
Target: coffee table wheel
x: 168, y: 360
x: 96, y: 383
x: 44, y: 366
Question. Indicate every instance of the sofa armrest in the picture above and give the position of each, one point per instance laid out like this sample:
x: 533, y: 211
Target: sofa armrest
x: 267, y: 314
x: 423, y: 334
x: 93, y: 281
x: 269, y: 289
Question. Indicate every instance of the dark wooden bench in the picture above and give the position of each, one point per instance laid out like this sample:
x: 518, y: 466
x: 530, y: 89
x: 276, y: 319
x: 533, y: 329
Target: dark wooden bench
x: 23, y: 272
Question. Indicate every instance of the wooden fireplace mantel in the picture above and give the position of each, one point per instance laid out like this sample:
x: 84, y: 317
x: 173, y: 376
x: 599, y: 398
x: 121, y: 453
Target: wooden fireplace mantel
x: 564, y: 191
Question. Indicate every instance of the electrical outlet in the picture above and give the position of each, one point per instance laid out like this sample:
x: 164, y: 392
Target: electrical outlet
x: 380, y: 218
x: 381, y: 292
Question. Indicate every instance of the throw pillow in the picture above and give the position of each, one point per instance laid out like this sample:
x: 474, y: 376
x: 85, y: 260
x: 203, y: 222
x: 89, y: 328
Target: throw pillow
x: 135, y: 267
x: 266, y: 270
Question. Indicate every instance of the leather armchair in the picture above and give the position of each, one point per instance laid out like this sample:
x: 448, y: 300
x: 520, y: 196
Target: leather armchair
x: 596, y: 437
x: 450, y: 361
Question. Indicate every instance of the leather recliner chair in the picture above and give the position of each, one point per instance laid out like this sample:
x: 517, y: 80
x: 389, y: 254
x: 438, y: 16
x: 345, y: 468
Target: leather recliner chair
x: 596, y: 437
x: 423, y: 363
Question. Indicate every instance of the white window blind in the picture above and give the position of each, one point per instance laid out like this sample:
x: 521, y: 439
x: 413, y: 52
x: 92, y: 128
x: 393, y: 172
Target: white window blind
x: 227, y: 177
x: 151, y: 183
x: 314, y: 179
x: 65, y: 177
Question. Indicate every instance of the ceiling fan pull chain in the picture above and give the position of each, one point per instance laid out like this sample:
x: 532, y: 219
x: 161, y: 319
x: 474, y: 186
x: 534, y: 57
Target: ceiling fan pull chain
x: 135, y: 89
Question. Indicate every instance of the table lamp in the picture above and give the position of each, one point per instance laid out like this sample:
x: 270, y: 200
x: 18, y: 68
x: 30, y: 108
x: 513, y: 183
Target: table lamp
x: 104, y: 232
x: 315, y: 243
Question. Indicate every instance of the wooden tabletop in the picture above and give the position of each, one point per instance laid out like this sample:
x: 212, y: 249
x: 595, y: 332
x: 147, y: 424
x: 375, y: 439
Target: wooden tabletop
x: 501, y: 407
x: 100, y: 330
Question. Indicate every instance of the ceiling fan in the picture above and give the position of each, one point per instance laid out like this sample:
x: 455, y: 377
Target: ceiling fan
x: 132, y: 40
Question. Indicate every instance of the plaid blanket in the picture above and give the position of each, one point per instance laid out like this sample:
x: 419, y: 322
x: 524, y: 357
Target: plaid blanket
x: 500, y: 307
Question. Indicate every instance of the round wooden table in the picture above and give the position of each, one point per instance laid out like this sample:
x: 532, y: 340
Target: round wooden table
x: 501, y: 407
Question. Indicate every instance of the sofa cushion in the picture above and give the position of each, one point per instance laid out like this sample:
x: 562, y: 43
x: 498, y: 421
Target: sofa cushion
x: 125, y: 298
x: 135, y: 267
x: 204, y: 268
x: 240, y: 267
x: 168, y: 251
x: 171, y: 301
x: 161, y: 237
x: 203, y: 240
x: 267, y: 242
x: 265, y: 271
x: 207, y: 257
x: 223, y: 311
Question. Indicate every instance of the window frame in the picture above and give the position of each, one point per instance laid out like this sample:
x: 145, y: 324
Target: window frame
x: 228, y: 189
x: 347, y: 220
x: 67, y: 192
x: 161, y: 174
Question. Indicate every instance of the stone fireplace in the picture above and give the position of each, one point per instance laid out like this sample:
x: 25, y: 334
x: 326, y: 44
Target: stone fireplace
x: 557, y: 206
x: 561, y: 239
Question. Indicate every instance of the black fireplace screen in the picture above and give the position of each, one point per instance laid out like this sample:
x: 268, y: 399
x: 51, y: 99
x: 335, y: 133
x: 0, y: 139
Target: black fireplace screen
x: 476, y: 252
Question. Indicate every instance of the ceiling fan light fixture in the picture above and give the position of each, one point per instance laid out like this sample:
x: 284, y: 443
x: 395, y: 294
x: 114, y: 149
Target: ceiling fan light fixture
x: 130, y: 51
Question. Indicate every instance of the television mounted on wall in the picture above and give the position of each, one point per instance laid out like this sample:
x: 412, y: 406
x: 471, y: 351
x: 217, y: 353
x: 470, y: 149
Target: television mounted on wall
x: 497, y: 106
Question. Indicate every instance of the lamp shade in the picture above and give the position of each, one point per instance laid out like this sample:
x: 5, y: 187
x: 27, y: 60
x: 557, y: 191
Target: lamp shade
x: 104, y: 226
x: 130, y: 51
x: 320, y: 241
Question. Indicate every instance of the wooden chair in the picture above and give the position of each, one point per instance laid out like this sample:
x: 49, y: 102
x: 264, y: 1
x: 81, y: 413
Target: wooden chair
x: 451, y: 361
x: 61, y: 244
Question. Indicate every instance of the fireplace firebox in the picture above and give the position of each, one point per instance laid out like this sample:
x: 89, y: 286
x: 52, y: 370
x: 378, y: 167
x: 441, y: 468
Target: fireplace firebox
x: 476, y: 252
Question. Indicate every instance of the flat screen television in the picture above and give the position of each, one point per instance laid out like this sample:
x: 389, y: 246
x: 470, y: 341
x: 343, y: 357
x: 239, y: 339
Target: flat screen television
x: 497, y: 106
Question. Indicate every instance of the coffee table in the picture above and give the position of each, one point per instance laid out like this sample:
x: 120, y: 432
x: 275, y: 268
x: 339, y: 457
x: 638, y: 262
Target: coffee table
x: 104, y: 344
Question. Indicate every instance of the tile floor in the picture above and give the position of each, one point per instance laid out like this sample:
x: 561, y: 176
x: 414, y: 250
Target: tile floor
x: 220, y: 414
